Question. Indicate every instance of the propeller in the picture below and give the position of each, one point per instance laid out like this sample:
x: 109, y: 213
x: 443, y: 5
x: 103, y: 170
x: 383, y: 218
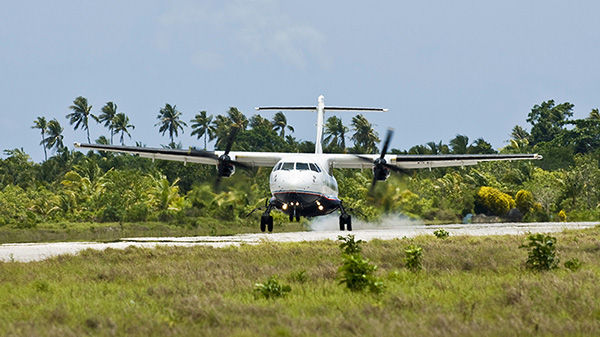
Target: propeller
x: 381, y: 169
x: 225, y: 165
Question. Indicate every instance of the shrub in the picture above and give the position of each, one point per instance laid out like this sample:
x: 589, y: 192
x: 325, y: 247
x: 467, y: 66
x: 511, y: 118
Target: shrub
x: 271, y: 288
x: 414, y: 255
x: 357, y: 274
x: 349, y: 245
x: 562, y: 215
x: 441, y: 233
x: 492, y: 201
x: 542, y: 254
x: 524, y: 201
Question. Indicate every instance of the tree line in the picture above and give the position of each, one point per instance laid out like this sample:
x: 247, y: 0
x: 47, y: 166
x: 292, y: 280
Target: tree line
x: 74, y: 186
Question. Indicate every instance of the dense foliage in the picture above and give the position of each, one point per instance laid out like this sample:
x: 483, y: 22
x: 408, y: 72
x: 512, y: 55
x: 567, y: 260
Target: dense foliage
x: 70, y: 186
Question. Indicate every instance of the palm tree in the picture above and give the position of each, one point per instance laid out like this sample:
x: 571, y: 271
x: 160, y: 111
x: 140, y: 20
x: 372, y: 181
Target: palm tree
x: 121, y: 124
x: 201, y: 126
x: 480, y: 146
x: 518, y: 133
x: 109, y: 111
x: 221, y: 126
x: 459, y: 144
x: 81, y: 114
x: 364, y: 137
x: 237, y: 118
x: 170, y: 121
x: 257, y: 121
x: 438, y: 148
x: 280, y: 124
x: 102, y: 140
x: 55, y: 137
x: 335, y: 132
x: 40, y: 123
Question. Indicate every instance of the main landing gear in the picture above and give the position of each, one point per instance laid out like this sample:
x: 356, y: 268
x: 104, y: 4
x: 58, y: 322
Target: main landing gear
x: 266, y: 220
x: 345, y: 220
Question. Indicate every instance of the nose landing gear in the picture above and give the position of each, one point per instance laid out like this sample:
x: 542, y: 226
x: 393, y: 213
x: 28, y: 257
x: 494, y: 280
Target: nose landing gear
x: 294, y: 214
x: 345, y: 220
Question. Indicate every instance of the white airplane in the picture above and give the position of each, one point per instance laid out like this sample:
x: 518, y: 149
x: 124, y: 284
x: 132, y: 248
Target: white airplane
x: 302, y: 184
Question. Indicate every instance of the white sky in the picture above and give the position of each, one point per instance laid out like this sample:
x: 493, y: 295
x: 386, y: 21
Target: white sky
x: 441, y: 67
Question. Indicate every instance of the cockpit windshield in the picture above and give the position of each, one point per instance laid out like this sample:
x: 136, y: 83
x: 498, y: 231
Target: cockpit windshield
x: 287, y: 166
x: 302, y: 166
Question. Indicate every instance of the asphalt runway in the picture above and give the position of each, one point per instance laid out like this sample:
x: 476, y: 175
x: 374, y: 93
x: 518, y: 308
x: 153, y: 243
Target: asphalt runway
x: 321, y: 230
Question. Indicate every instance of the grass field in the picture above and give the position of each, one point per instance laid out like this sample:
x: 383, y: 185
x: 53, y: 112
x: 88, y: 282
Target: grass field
x: 469, y: 286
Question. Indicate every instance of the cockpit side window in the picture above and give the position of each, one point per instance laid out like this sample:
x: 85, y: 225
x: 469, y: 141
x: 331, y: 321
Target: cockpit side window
x: 277, y: 167
x: 287, y: 166
x: 302, y: 166
x: 314, y: 167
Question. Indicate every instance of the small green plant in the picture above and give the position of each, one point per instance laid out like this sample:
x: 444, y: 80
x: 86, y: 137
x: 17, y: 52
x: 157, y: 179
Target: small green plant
x: 349, y: 245
x: 414, y: 255
x: 299, y: 276
x: 271, y: 289
x: 42, y: 286
x: 573, y: 264
x: 441, y: 233
x: 357, y: 274
x: 542, y: 253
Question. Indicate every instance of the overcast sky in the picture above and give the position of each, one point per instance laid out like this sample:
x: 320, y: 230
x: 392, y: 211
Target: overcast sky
x: 441, y: 67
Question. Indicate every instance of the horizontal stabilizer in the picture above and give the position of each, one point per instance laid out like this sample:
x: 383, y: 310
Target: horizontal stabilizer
x: 313, y: 108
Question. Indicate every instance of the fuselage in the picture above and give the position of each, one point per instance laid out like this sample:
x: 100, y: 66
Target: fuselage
x: 301, y: 185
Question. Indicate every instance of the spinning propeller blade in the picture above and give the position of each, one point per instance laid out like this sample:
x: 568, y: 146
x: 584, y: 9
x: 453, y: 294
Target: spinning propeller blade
x: 380, y: 163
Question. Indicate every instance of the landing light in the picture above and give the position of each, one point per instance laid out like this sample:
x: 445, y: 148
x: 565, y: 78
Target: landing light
x: 320, y: 207
x: 284, y: 207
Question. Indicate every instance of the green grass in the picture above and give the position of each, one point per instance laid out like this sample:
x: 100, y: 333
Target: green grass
x: 469, y: 286
x: 85, y: 231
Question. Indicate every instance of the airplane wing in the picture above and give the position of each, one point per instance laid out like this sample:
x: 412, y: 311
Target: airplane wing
x: 364, y: 161
x: 253, y: 159
x: 269, y: 159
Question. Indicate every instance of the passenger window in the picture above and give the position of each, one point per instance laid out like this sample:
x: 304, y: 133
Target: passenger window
x: 302, y: 166
x: 287, y: 166
x: 314, y: 167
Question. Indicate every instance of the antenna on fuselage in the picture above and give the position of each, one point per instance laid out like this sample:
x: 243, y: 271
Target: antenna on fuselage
x: 320, y: 108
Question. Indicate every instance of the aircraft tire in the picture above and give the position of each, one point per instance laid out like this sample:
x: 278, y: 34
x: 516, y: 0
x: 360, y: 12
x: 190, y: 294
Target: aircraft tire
x: 263, y: 223
x: 343, y: 221
x: 349, y: 223
x: 270, y: 223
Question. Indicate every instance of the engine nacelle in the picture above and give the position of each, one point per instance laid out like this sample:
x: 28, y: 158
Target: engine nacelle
x: 224, y: 167
x: 380, y: 172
